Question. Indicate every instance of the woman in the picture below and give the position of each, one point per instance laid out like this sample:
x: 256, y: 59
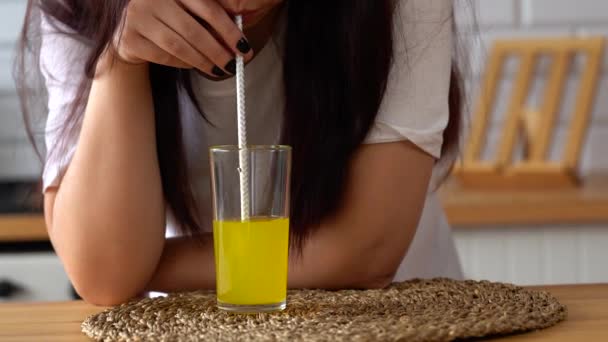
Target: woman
x: 364, y: 91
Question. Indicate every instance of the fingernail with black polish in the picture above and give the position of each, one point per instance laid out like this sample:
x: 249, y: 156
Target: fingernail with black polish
x: 217, y: 71
x: 231, y: 67
x: 243, y: 45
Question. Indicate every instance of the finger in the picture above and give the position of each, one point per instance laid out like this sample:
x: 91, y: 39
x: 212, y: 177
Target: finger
x: 198, y: 37
x: 222, y: 23
x: 171, y: 42
x: 150, y: 52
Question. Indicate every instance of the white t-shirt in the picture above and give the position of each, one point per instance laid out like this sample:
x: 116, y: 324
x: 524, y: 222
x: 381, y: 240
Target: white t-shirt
x: 415, y: 108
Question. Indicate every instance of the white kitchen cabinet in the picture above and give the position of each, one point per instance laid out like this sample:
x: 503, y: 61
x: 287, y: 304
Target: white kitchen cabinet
x: 40, y: 275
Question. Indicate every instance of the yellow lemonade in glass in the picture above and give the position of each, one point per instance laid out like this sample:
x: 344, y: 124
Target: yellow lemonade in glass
x: 251, y: 260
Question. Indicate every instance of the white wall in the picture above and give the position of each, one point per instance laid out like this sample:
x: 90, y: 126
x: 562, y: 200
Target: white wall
x: 537, y: 19
x: 542, y: 254
x: 17, y: 158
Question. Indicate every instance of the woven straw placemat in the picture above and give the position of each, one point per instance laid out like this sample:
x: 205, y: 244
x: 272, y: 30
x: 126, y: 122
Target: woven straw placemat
x: 417, y: 310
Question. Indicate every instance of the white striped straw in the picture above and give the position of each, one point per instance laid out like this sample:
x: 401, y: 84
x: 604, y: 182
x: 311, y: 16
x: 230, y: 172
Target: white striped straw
x: 242, y: 131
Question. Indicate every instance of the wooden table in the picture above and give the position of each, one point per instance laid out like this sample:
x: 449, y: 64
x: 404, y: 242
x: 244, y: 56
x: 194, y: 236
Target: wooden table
x: 587, y: 319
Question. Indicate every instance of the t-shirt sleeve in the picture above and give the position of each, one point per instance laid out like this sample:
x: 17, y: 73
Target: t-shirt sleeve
x: 415, y: 106
x: 62, y: 60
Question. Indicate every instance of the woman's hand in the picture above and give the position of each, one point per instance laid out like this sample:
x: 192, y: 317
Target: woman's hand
x: 170, y: 32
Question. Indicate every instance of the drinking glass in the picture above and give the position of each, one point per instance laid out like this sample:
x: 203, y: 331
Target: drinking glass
x: 251, y: 248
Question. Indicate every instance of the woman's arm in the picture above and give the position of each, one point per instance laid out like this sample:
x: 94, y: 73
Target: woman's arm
x: 361, y: 246
x: 106, y: 217
x: 106, y: 220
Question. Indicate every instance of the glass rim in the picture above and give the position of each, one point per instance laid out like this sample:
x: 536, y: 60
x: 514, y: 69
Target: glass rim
x: 233, y: 148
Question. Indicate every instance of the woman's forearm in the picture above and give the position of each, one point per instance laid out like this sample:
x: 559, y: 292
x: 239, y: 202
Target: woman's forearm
x: 186, y: 264
x: 330, y: 261
x: 108, y: 214
x: 360, y: 246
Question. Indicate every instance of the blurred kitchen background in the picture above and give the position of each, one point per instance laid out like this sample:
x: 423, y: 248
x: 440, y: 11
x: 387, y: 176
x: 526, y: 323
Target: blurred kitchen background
x: 541, y: 236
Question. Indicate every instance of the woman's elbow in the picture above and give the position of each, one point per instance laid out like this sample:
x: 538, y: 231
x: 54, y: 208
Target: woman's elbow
x: 108, y: 283
x: 380, y: 262
x: 104, y: 293
x: 375, y: 280
x: 107, y: 279
x: 109, y: 298
x: 377, y: 275
x: 366, y: 272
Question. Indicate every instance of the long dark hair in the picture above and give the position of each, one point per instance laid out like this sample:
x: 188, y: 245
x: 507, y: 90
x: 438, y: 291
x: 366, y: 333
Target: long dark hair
x: 336, y: 67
